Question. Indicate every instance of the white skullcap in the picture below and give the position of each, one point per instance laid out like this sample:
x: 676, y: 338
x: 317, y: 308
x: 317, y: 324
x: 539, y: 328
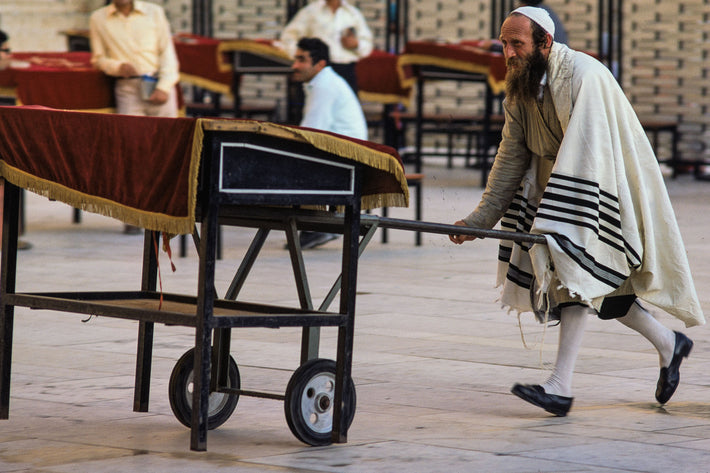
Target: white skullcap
x: 539, y: 16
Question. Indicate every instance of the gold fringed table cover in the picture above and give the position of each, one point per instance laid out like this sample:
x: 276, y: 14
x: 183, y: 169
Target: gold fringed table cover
x: 378, y: 79
x: 143, y: 170
x: 464, y: 56
x: 206, y: 62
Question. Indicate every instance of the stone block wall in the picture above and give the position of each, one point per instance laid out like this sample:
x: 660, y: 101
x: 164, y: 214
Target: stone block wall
x: 665, y: 46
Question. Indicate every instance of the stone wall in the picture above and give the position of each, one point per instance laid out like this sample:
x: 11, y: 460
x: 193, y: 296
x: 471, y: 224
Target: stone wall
x: 665, y: 45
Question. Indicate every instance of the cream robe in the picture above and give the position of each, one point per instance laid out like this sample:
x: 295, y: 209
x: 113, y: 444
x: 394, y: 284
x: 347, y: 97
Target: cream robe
x: 605, y: 211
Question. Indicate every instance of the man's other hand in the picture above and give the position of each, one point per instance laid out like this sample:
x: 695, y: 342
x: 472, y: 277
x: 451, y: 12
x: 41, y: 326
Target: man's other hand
x: 127, y: 70
x: 158, y: 97
x: 458, y: 239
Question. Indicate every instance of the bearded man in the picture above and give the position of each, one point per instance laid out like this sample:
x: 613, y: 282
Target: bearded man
x: 575, y: 166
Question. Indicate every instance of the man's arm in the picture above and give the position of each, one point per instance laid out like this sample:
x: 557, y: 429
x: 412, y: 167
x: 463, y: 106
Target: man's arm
x: 363, y: 41
x: 509, y: 167
x: 99, y: 59
x: 169, y: 69
x: 296, y: 29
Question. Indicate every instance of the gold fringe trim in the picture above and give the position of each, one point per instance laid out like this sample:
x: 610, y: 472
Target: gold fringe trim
x: 9, y: 92
x: 331, y: 144
x: 206, y: 84
x: 384, y: 98
x: 54, y: 191
x: 456, y: 64
x: 249, y: 46
x: 94, y: 110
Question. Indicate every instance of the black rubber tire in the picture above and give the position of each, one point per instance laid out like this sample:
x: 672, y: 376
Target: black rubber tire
x: 309, y: 402
x: 221, y: 406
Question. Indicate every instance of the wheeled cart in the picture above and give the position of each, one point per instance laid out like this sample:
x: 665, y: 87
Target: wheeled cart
x: 250, y: 174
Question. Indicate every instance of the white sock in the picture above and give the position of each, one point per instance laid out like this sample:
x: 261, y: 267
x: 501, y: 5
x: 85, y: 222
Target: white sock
x: 662, y: 338
x: 573, y: 320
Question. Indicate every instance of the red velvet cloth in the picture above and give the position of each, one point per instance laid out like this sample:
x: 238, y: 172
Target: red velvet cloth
x: 141, y: 170
x: 137, y: 162
x: 465, y: 52
x: 377, y: 74
x: 59, y: 80
x: 198, y: 56
x: 211, y: 60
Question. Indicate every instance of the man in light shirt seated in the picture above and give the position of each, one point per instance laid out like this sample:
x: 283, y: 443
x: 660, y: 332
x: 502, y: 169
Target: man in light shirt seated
x: 330, y: 105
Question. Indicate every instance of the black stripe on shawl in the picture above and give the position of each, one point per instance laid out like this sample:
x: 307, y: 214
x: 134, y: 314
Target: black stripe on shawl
x: 608, y: 212
x: 587, y: 262
x: 606, y: 204
x: 504, y: 253
x: 519, y: 277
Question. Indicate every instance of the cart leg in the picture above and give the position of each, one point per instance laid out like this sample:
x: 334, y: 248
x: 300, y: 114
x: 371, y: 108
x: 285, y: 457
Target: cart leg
x: 310, y: 336
x: 220, y: 370
x: 247, y: 263
x: 8, y: 265
x: 203, y: 330
x: 144, y: 358
x: 335, y: 288
x: 144, y: 355
x: 201, y: 389
x: 343, y: 366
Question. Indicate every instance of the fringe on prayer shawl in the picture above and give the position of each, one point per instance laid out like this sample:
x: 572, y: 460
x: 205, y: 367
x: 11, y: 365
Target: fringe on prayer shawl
x: 543, y: 320
x: 332, y: 144
x: 98, y: 205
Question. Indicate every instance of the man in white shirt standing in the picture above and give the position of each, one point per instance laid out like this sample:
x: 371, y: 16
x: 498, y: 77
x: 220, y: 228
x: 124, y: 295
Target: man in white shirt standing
x: 330, y: 105
x: 131, y: 40
x: 339, y: 25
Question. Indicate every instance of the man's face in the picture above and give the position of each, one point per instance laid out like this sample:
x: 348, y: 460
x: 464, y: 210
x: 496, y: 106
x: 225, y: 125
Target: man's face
x: 526, y: 61
x: 4, y: 56
x: 303, y: 69
x: 4, y: 52
x: 516, y: 36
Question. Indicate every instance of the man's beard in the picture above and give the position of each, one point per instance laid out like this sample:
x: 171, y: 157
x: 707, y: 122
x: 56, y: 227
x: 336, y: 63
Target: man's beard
x: 522, y: 83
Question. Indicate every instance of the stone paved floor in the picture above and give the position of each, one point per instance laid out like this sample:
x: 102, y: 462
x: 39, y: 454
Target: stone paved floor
x: 434, y: 360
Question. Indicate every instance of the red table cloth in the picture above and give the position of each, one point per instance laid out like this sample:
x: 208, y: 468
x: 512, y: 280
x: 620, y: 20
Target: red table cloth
x: 378, y: 79
x: 465, y: 56
x: 207, y: 62
x: 58, y: 80
x: 143, y: 170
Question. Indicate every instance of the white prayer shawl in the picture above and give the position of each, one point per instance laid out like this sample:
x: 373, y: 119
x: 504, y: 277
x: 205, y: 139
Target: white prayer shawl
x: 605, y: 212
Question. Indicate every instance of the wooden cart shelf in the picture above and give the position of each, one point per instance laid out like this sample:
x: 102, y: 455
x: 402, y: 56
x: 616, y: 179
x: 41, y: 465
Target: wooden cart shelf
x: 175, y: 309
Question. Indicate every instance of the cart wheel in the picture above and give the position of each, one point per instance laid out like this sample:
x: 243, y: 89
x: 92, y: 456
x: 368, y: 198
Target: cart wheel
x: 220, y: 405
x: 309, y: 402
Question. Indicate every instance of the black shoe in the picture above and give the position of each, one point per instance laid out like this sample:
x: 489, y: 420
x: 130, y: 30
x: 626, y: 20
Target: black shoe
x: 535, y: 394
x: 312, y: 239
x: 670, y: 377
